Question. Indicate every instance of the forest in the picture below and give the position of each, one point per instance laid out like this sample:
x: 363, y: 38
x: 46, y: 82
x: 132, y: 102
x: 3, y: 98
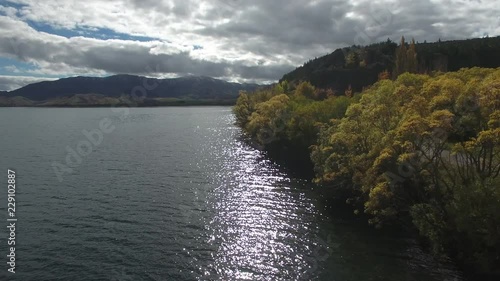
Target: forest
x: 417, y: 150
x: 359, y: 66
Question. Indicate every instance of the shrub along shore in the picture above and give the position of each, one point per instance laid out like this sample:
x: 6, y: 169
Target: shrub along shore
x: 421, y: 150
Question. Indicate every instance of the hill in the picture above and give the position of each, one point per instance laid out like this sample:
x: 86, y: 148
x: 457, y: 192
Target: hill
x: 360, y: 66
x: 121, y: 89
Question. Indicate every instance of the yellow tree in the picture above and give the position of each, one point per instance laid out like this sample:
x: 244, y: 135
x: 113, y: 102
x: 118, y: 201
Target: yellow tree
x: 242, y: 109
x: 401, y: 55
x: 411, y: 58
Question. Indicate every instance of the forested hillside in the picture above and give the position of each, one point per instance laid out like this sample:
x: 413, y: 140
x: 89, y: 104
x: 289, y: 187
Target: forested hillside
x: 360, y: 66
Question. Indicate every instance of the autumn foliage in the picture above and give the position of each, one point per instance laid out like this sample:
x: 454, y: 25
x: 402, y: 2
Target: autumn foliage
x: 421, y: 150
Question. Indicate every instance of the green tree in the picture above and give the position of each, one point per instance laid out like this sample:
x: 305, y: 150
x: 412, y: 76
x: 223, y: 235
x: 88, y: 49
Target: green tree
x: 305, y: 89
x: 267, y: 122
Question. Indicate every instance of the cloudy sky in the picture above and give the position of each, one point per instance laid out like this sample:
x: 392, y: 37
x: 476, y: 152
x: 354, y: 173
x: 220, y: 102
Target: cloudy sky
x: 237, y: 40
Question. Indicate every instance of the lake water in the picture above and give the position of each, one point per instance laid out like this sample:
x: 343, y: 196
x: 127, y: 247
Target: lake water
x: 176, y: 194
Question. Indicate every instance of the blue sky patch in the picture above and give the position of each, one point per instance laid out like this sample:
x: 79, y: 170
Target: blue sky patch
x: 85, y: 31
x: 7, y: 63
x: 13, y: 5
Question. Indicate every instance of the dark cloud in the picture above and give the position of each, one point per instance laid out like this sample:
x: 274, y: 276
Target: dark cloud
x: 124, y: 57
x: 256, y: 40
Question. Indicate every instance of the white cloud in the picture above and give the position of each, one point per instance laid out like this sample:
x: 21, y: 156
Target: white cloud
x: 256, y: 40
x: 9, y: 83
x: 57, y: 55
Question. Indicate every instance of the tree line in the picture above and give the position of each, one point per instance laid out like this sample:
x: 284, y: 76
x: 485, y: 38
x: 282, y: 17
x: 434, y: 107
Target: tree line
x: 359, y: 66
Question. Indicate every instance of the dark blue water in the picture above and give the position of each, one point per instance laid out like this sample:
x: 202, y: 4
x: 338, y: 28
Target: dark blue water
x: 175, y: 194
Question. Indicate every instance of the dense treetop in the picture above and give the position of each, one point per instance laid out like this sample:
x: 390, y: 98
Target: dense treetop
x: 422, y: 150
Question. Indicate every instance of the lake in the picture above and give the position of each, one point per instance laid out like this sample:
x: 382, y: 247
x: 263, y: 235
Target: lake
x: 176, y: 193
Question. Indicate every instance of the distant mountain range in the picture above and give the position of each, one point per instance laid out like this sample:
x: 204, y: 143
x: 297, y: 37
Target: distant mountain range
x: 125, y: 89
